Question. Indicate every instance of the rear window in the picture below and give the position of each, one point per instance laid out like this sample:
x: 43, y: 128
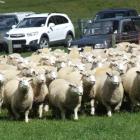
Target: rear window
x: 115, y: 14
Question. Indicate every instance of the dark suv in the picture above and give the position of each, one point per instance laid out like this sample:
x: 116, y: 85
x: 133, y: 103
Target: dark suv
x: 100, y: 33
x: 115, y: 13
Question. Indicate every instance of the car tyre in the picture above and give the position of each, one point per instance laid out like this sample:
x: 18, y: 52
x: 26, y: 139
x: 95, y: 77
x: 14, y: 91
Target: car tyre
x: 44, y: 42
x: 68, y: 40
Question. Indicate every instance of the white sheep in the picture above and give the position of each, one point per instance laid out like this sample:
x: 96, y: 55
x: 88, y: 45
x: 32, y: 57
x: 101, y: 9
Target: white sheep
x: 18, y: 97
x: 40, y: 91
x: 131, y: 82
x: 107, y: 90
x: 88, y: 83
x: 65, y: 96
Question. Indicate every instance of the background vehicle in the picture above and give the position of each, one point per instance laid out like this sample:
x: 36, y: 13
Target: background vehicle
x: 99, y: 33
x: 7, y: 20
x: 108, y: 14
x: 42, y: 30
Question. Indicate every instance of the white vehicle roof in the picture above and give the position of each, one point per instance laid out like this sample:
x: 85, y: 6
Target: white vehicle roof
x: 45, y: 15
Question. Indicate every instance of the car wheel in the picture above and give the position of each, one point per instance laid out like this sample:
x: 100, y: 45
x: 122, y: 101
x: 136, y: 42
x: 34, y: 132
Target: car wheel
x: 44, y: 42
x: 68, y: 40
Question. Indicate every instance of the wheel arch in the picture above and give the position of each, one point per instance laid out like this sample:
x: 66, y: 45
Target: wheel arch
x: 70, y: 33
x: 44, y: 35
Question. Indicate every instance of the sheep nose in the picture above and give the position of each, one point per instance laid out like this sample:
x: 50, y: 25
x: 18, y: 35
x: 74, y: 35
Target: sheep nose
x: 93, y: 82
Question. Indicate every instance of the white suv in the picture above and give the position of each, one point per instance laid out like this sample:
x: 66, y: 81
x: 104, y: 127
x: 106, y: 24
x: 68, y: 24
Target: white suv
x: 42, y: 30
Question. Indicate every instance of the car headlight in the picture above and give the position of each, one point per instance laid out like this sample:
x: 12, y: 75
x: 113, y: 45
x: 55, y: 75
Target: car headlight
x: 6, y: 35
x: 32, y: 34
x: 103, y: 45
x: 97, y: 46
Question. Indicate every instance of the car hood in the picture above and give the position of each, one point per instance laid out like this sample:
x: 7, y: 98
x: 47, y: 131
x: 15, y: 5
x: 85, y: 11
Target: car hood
x: 91, y: 40
x: 23, y: 30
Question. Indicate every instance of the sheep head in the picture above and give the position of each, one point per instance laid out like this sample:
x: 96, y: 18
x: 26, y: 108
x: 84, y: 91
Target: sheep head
x: 74, y: 88
x: 40, y: 78
x: 88, y: 78
x: 24, y: 85
x: 51, y: 75
x: 113, y: 78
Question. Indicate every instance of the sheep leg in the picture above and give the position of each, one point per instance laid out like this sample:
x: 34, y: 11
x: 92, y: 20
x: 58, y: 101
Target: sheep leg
x: 134, y: 103
x: 109, y: 114
x: 46, y: 108
x: 92, y: 107
x: 62, y: 113
x: 1, y: 102
x: 108, y: 108
x: 17, y: 116
x: 40, y: 111
x: 117, y: 108
x: 76, y: 111
x: 26, y: 116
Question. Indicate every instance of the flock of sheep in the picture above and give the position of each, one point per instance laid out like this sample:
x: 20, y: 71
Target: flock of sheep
x: 66, y: 82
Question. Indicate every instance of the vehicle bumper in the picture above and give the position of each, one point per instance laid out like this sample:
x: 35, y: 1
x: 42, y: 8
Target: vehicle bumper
x: 22, y: 44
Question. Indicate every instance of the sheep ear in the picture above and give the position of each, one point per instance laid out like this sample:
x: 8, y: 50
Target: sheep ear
x: 30, y: 80
x: 79, y: 49
x: 18, y: 78
x: 46, y: 71
x: 34, y: 73
x: 105, y: 51
x: 109, y: 74
x: 71, y: 85
x: 50, y: 49
x: 138, y: 72
x: 69, y: 49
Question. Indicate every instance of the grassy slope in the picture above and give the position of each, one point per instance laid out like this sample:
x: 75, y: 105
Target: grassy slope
x: 75, y: 8
x: 120, y: 126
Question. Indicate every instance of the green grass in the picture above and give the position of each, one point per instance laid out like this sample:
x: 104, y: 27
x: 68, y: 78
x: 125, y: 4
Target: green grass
x: 121, y: 126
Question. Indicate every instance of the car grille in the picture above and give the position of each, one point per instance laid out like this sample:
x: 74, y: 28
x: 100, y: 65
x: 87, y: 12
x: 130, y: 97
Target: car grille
x: 17, y: 35
x: 22, y: 42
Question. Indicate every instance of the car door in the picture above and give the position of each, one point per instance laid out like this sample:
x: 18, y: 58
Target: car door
x: 52, y: 29
x: 63, y: 25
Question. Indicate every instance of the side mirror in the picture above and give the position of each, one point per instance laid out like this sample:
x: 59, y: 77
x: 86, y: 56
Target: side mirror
x: 51, y: 25
x: 13, y: 26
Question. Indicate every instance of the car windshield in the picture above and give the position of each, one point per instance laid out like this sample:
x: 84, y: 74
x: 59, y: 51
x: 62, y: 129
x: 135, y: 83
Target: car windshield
x: 6, y: 21
x: 32, y: 22
x: 103, y: 27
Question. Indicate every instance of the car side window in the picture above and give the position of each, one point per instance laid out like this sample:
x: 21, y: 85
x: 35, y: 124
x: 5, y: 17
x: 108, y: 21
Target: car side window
x: 137, y: 24
x: 128, y: 26
x: 51, y: 20
x: 60, y: 20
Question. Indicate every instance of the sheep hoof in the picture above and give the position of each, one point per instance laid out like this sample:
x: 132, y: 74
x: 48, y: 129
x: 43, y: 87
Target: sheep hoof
x: 92, y: 113
x: 46, y: 108
x: 109, y: 114
x: 27, y: 120
x: 76, y: 118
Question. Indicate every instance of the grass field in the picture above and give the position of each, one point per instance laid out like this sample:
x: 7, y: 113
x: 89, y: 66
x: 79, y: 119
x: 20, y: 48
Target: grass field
x: 124, y: 126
